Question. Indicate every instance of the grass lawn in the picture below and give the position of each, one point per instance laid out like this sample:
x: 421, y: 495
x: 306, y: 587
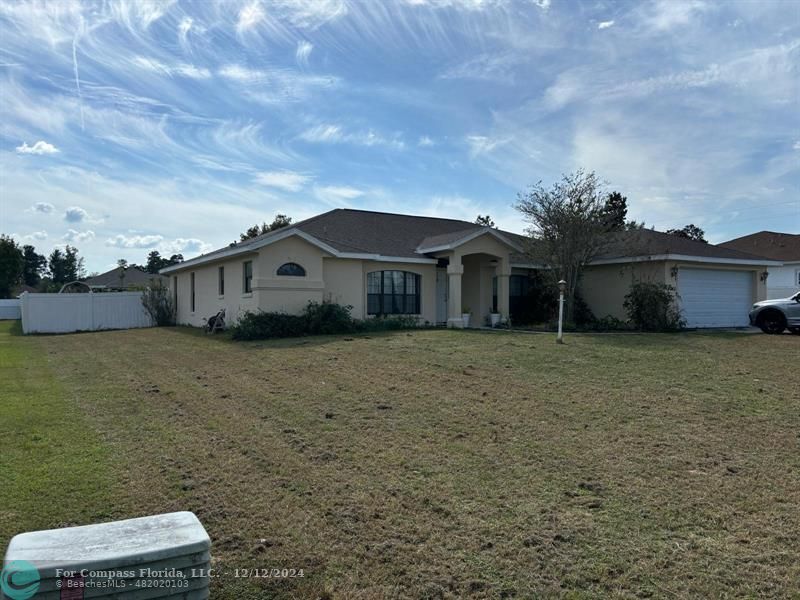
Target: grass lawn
x: 427, y: 464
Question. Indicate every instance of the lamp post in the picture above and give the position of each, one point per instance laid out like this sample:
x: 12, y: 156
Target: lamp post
x: 562, y: 286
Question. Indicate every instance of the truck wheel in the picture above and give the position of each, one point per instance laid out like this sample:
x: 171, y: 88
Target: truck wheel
x: 772, y: 322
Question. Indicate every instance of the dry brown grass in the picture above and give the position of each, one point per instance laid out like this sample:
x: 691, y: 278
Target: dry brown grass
x: 451, y: 464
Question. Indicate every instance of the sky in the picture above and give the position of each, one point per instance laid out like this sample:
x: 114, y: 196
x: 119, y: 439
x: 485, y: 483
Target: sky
x: 133, y: 126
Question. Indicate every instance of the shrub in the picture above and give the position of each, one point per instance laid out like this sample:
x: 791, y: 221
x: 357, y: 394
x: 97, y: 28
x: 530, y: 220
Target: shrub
x: 158, y: 303
x: 263, y: 325
x: 324, y: 318
x: 651, y: 307
x: 327, y: 318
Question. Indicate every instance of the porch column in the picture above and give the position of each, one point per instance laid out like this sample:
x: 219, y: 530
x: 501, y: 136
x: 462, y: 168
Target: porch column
x: 454, y: 272
x: 503, y: 272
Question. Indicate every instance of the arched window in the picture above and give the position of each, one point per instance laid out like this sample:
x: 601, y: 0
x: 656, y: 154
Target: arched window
x: 393, y: 293
x: 291, y: 269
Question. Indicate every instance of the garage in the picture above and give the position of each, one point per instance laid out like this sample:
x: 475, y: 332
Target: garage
x: 715, y: 297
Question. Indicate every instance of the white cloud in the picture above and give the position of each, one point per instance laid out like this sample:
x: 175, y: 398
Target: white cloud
x: 75, y: 214
x: 40, y: 147
x: 37, y: 235
x: 250, y: 16
x: 335, y: 134
x: 134, y: 241
x: 605, y: 24
x: 181, y: 69
x: 289, y: 181
x: 796, y: 145
x: 425, y: 141
x: 322, y: 133
x: 337, y: 195
x: 304, y: 49
x: 481, y: 144
x: 667, y: 14
x: 43, y: 207
x: 78, y: 236
x: 185, y: 246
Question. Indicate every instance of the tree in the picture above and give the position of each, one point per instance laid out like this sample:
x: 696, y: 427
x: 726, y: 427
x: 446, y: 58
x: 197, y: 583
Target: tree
x: 173, y: 260
x: 615, y: 211
x: 566, y: 227
x: 484, y: 221
x: 65, y: 266
x: 278, y: 222
x: 122, y: 263
x: 33, y: 267
x: 154, y: 262
x: 690, y: 232
x: 11, y: 265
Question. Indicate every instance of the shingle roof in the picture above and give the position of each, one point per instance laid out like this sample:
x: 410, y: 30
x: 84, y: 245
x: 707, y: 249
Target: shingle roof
x: 387, y: 234
x: 133, y: 277
x: 647, y: 242
x: 770, y: 244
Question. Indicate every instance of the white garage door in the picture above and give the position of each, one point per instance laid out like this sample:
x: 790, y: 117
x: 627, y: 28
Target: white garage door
x: 715, y: 298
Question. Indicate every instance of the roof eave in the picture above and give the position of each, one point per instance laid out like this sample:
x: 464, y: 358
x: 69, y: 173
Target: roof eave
x: 687, y: 258
x: 468, y: 238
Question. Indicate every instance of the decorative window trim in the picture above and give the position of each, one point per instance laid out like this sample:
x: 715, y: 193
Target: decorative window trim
x: 394, y: 292
x: 291, y: 269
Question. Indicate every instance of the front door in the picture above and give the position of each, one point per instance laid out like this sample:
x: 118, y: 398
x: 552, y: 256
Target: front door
x: 441, y: 295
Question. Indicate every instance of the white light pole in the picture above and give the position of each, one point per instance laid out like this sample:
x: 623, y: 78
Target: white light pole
x: 562, y: 285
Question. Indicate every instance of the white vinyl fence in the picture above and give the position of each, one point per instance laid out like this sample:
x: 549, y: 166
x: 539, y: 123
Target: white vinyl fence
x: 63, y: 313
x: 9, y: 309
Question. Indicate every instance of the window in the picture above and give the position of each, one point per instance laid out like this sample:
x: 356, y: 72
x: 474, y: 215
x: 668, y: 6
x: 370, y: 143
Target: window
x: 393, y: 293
x: 175, y: 292
x: 292, y: 270
x: 797, y: 277
x: 247, y: 277
x: 518, y: 290
x: 191, y: 287
x: 221, y: 281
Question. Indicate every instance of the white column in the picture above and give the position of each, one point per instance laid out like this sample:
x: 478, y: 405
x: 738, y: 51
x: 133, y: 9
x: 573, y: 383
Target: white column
x: 454, y: 272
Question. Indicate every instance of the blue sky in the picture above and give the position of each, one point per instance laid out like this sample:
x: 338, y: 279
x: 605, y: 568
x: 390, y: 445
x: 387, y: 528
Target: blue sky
x: 139, y: 125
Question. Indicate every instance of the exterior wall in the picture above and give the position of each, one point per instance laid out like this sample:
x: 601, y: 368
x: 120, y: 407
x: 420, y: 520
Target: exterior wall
x: 345, y: 283
x: 207, y: 299
x: 783, y: 281
x: 604, y: 287
x: 286, y: 293
x: 327, y: 278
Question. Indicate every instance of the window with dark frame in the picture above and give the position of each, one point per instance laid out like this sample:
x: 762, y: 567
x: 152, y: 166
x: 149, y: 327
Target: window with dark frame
x: 191, y: 285
x: 393, y: 293
x: 221, y: 280
x: 292, y: 270
x: 247, y: 277
x: 175, y: 291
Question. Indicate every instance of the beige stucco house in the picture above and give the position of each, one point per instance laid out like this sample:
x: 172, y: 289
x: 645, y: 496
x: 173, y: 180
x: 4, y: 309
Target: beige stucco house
x: 435, y: 269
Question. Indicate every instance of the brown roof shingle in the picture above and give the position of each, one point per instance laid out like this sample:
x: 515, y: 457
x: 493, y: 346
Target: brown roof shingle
x: 770, y: 244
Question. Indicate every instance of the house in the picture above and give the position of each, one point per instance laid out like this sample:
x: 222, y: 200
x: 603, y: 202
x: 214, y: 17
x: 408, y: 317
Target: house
x: 127, y: 278
x: 436, y: 269
x: 783, y: 281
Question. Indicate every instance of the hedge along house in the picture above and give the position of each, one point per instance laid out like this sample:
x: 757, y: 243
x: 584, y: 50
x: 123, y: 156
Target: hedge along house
x: 378, y: 263
x: 437, y: 269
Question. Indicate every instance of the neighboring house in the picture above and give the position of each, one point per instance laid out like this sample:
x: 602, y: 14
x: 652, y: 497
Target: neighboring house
x: 124, y: 279
x: 783, y: 281
x: 381, y: 263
